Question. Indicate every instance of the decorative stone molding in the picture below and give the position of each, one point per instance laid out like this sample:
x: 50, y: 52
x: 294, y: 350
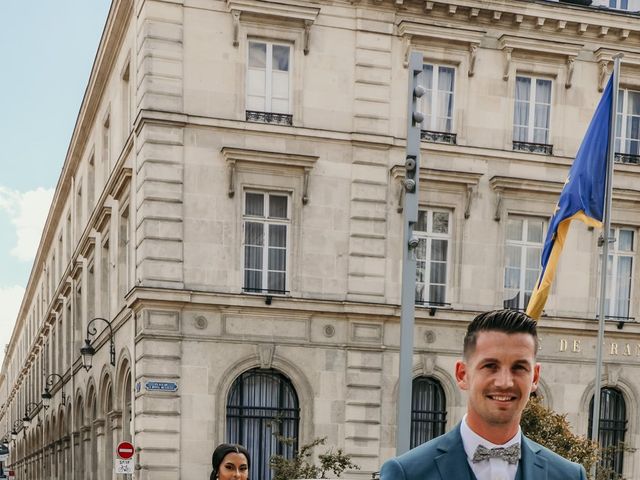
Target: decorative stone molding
x: 603, y: 71
x: 465, y: 38
x: 537, y: 46
x: 120, y: 186
x: 466, y: 180
x: 266, y: 353
x: 265, y: 159
x: 630, y: 71
x: 473, y: 52
x: 114, y: 419
x: 301, y: 15
x: 540, y: 15
x: 510, y: 184
x: 428, y: 363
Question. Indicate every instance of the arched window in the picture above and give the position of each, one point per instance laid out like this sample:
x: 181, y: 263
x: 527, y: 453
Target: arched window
x: 613, y: 425
x: 428, y: 410
x: 262, y: 409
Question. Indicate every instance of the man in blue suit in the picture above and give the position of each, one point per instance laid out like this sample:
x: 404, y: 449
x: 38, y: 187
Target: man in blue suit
x: 498, y: 371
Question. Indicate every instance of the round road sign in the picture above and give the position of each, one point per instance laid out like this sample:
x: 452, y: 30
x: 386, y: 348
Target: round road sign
x: 125, y: 450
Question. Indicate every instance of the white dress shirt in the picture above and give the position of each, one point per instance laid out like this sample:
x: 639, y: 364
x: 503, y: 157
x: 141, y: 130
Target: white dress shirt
x: 494, y: 468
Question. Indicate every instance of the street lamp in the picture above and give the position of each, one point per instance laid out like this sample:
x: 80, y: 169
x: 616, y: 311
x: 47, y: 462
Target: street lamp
x: 28, y: 409
x: 88, y: 351
x: 46, y: 394
x: 16, y: 425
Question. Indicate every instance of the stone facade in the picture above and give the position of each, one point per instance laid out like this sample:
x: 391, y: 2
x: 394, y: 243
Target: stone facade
x: 148, y: 227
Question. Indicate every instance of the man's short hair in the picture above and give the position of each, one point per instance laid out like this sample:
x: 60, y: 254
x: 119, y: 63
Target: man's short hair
x: 506, y: 321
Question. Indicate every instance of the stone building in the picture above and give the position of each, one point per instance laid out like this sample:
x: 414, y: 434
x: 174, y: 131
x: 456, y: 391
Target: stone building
x: 230, y: 204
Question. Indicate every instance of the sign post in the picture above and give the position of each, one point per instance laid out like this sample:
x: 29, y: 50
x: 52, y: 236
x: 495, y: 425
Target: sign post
x: 123, y: 463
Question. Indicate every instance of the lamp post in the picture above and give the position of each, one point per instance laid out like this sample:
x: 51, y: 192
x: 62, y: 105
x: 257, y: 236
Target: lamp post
x: 46, y: 394
x: 28, y: 409
x: 88, y: 351
x: 16, y: 428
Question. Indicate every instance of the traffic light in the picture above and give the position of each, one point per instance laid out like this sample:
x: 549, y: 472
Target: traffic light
x: 415, y: 119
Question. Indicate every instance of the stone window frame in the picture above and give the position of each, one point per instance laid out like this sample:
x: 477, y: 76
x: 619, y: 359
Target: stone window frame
x: 447, y: 190
x: 276, y: 23
x: 615, y: 253
x: 445, y: 46
x: 532, y: 104
x: 267, y: 171
x: 269, y: 45
x: 266, y: 222
x: 535, y: 57
x: 521, y: 197
x: 524, y: 246
x: 428, y: 236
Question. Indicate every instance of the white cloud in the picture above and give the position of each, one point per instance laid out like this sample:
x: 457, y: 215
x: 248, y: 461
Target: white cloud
x: 27, y: 212
x: 10, y: 299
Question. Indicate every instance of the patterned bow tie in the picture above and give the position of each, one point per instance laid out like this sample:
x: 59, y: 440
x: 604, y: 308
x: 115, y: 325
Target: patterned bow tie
x: 510, y: 454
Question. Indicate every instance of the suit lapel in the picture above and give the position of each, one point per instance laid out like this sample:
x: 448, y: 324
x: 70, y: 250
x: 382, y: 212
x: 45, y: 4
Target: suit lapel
x: 534, y: 467
x: 452, y: 461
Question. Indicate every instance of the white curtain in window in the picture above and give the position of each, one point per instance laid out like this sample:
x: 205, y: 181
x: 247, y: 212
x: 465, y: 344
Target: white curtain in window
x: 280, y: 79
x: 623, y: 286
x: 521, y: 114
x: 256, y: 77
x: 446, y: 77
x: 632, y: 133
x: 542, y: 111
x: 427, y: 103
x: 277, y: 257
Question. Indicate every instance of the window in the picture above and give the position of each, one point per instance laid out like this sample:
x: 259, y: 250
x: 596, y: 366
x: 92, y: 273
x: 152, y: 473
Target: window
x: 619, y: 273
x: 106, y: 149
x: 123, y: 256
x: 268, y: 83
x: 432, y: 256
x: 628, y: 127
x: 437, y: 103
x: 532, y: 115
x: 263, y: 404
x: 619, y: 4
x: 126, y: 103
x: 105, y: 281
x: 522, y: 259
x: 91, y: 180
x: 428, y: 410
x: 612, y: 429
x: 266, y: 225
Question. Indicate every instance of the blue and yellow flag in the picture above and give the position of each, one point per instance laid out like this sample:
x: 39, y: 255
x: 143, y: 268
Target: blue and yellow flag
x: 582, y: 197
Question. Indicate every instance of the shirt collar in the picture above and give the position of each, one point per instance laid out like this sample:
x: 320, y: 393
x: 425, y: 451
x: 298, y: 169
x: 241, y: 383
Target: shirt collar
x: 471, y: 440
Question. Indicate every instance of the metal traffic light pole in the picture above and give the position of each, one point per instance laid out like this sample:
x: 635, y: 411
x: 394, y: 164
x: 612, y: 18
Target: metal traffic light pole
x: 410, y: 217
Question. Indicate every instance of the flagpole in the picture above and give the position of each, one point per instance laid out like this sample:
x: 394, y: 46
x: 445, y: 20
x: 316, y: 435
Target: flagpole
x: 595, y: 429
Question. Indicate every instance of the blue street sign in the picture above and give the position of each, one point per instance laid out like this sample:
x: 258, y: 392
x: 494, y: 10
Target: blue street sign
x: 152, y: 386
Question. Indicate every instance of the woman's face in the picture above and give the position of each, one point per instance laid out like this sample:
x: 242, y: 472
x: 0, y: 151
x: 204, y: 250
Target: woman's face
x: 234, y: 466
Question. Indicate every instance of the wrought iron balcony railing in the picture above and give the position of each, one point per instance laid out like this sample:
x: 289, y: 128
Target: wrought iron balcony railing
x: 269, y: 117
x: 543, y: 148
x: 627, y: 158
x: 438, y: 137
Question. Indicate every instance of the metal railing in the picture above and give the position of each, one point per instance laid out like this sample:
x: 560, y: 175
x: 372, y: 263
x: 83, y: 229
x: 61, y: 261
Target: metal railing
x: 530, y: 147
x: 269, y: 117
x: 438, y: 137
x: 627, y: 158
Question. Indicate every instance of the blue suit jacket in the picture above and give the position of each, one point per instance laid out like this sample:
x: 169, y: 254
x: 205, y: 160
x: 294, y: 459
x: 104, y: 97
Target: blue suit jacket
x: 444, y: 458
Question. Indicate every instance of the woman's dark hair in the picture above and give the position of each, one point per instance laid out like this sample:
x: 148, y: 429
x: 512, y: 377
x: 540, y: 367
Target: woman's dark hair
x: 222, y: 451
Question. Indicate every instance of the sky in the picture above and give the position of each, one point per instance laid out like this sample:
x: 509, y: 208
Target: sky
x: 47, y: 50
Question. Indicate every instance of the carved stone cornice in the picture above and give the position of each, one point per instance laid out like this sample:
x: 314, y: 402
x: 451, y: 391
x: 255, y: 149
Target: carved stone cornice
x: 269, y: 160
x: 607, y: 25
x: 506, y: 184
x: 298, y: 14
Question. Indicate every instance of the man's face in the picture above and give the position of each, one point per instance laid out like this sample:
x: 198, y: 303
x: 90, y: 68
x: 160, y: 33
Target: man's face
x: 499, y: 375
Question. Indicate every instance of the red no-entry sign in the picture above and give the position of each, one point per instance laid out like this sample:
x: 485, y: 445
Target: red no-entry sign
x: 125, y: 450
